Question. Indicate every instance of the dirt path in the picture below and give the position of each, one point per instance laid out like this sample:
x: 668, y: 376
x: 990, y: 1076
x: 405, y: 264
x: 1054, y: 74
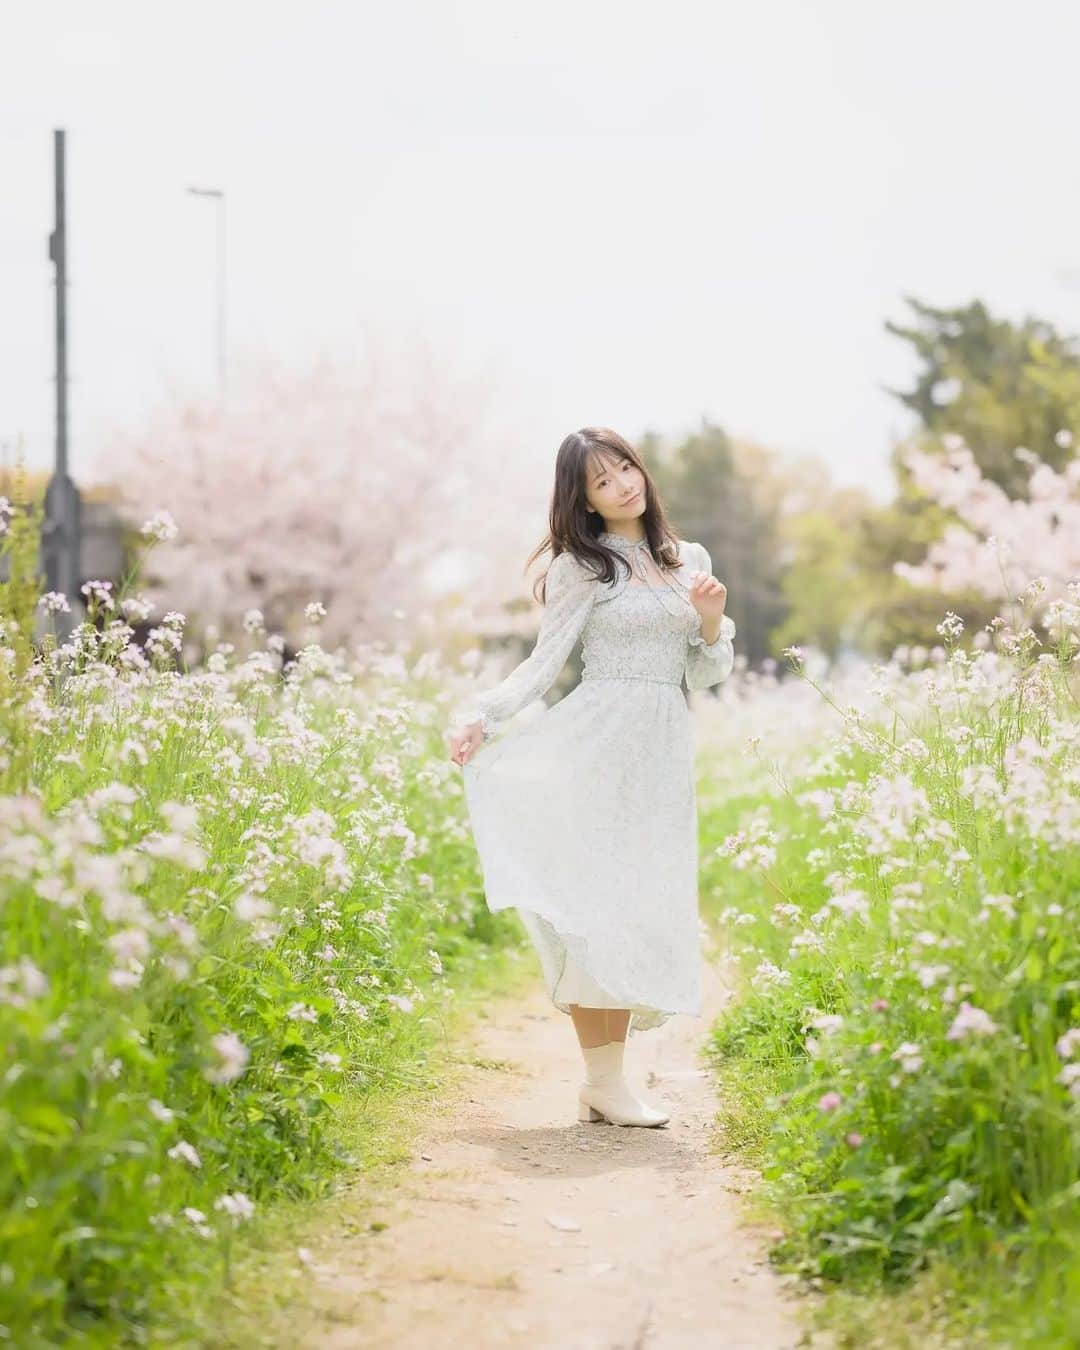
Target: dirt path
x: 646, y: 1251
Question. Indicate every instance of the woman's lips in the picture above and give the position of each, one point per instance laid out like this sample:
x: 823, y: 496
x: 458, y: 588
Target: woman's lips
x: 635, y: 498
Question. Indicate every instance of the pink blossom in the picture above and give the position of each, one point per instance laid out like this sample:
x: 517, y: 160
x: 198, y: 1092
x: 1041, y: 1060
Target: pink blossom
x: 1068, y: 1043
x: 202, y: 458
x: 829, y: 1102
x: 1070, y: 1077
x: 233, y: 1056
x: 1038, y: 533
x: 971, y: 1021
x: 910, y: 1056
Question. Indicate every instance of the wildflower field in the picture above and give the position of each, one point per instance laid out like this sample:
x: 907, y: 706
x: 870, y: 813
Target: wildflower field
x: 897, y: 858
x: 238, y: 901
x: 233, y: 901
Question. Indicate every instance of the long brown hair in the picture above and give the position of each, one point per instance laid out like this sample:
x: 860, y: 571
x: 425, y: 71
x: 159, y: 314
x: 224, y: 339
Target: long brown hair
x: 573, y: 528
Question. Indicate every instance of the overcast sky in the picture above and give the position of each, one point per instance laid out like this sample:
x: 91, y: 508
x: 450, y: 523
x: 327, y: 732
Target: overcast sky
x: 635, y: 213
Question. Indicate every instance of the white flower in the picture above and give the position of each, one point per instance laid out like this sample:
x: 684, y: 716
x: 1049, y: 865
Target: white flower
x: 928, y: 975
x: 951, y: 626
x: 99, y: 592
x: 237, y: 1205
x: 1070, y: 1077
x: 126, y: 979
x: 129, y: 944
x: 248, y: 907
x: 971, y: 1021
x: 1004, y: 904
x: 21, y: 982
x: 850, y: 903
x: 910, y: 1056
x: 160, y: 526
x: 183, y: 817
x: 159, y: 1110
x: 173, y: 848
x: 198, y: 1221
x: 233, y: 1056
x: 768, y: 974
x: 55, y: 602
x: 136, y: 608
x: 185, y: 1152
x: 184, y: 930
x: 315, y: 611
x: 1068, y: 1043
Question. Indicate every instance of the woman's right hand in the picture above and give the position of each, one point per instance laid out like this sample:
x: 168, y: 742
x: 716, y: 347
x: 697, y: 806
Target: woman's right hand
x: 465, y: 743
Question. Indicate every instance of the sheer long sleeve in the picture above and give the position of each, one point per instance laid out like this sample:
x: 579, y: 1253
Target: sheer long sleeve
x: 570, y: 590
x: 709, y: 663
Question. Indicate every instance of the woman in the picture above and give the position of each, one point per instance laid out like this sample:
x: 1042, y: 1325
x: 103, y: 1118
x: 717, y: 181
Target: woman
x: 585, y: 819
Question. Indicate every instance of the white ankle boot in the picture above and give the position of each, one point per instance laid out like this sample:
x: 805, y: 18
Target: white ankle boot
x: 606, y: 1095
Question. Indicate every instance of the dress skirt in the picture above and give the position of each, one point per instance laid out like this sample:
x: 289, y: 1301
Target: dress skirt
x: 585, y: 821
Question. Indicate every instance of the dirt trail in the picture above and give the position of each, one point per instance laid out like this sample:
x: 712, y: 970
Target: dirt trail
x: 649, y: 1253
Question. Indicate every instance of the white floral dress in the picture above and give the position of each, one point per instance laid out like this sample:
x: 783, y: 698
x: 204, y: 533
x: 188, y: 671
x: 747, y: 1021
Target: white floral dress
x: 585, y: 817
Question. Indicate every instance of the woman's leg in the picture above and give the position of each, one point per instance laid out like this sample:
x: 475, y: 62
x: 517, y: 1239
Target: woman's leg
x: 605, y: 1094
x: 618, y: 1020
x: 599, y: 1026
x: 591, y: 1025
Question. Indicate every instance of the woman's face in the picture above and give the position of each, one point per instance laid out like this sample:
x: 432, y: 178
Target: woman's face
x: 615, y: 487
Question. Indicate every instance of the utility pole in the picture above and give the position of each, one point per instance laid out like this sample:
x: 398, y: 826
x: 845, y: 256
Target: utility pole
x: 62, y: 531
x: 218, y: 195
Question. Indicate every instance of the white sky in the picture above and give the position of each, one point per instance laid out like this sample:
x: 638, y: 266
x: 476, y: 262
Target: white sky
x: 636, y: 213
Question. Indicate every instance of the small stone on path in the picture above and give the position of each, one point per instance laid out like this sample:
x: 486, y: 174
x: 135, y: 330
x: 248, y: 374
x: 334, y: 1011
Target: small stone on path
x: 564, y: 1225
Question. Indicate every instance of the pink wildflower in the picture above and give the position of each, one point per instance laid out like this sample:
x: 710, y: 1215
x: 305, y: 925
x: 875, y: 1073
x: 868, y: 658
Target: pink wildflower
x: 971, y: 1021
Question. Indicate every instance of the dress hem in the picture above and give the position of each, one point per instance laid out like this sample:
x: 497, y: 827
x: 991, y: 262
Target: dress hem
x: 643, y: 1016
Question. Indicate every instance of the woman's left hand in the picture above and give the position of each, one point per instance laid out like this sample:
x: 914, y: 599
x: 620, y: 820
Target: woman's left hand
x: 708, y: 596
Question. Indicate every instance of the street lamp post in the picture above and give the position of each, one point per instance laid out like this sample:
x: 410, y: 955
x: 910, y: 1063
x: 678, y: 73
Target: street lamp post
x: 62, y: 526
x: 218, y: 194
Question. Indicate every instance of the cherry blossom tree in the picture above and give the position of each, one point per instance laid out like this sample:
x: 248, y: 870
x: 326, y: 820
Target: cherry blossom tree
x: 379, y: 487
x: 999, y: 544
